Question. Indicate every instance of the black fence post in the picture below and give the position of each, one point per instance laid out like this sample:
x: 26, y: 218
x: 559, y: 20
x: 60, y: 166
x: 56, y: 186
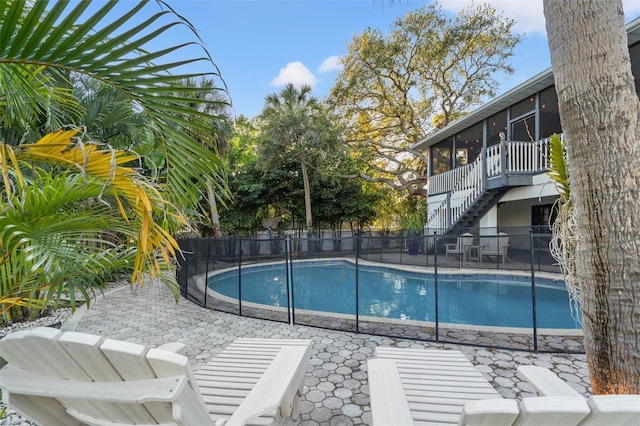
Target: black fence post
x: 239, y: 280
x: 290, y: 276
x: 533, y: 294
x: 186, y: 273
x: 426, y: 249
x: 357, y: 274
x: 206, y: 272
x: 287, y: 263
x: 435, y: 282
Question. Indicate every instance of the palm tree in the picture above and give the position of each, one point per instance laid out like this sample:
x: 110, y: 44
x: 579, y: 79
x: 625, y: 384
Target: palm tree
x: 288, y: 132
x: 109, y: 115
x: 221, y: 127
x: 117, y: 219
x: 109, y: 49
x: 599, y: 106
x: 53, y: 240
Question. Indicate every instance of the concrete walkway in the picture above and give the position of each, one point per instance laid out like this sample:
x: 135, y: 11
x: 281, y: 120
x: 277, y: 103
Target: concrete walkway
x: 336, y: 391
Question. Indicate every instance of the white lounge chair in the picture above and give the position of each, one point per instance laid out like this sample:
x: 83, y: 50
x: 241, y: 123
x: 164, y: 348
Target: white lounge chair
x: 461, y: 246
x: 418, y: 386
x: 605, y: 409
x: 69, y: 378
x: 497, y: 247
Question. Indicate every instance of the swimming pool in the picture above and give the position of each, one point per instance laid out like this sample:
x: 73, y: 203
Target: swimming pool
x: 384, y: 292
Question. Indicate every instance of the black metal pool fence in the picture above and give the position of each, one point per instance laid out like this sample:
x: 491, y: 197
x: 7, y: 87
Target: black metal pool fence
x: 526, y: 253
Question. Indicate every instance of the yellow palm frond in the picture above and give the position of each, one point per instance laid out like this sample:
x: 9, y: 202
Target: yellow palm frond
x: 65, y: 149
x: 6, y: 153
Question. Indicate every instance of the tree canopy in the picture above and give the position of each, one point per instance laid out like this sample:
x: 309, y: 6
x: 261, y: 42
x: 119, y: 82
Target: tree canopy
x: 428, y: 70
x: 294, y: 127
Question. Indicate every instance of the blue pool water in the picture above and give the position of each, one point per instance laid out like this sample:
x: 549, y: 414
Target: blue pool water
x: 478, y: 299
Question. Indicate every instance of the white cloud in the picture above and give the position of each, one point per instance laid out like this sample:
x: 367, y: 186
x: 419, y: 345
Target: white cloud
x: 529, y: 14
x: 295, y: 73
x: 332, y: 63
x: 631, y: 9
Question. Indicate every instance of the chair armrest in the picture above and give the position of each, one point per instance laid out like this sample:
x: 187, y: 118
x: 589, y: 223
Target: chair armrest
x: 388, y: 401
x: 614, y: 409
x: 448, y: 246
x: 23, y: 382
x: 552, y: 410
x: 497, y: 411
x: 175, y: 347
x: 545, y: 382
x: 277, y: 387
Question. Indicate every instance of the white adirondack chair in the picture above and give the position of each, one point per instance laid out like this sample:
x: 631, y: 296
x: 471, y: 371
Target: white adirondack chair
x: 417, y: 386
x: 69, y: 378
x: 461, y: 246
x: 497, y: 246
x: 605, y: 409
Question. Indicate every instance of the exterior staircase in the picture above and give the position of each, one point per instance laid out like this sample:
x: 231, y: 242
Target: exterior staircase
x: 472, y: 190
x: 482, y: 205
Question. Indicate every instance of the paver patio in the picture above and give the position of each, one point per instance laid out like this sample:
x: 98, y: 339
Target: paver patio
x: 336, y: 390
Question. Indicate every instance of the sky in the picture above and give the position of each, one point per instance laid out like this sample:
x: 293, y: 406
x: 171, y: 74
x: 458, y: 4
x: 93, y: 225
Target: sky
x: 261, y: 45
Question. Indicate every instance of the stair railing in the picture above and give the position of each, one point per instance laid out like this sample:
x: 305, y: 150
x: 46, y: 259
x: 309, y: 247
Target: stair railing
x: 493, y: 163
x: 466, y: 190
x: 468, y: 183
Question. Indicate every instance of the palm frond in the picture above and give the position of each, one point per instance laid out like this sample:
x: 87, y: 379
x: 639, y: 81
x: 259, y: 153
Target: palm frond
x: 122, y: 182
x: 52, y: 233
x: 30, y: 92
x: 108, y: 46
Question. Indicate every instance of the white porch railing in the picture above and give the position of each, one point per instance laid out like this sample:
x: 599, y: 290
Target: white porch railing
x: 438, y: 218
x: 527, y: 157
x: 517, y: 158
x: 444, y: 182
x: 465, y: 185
x: 494, y: 162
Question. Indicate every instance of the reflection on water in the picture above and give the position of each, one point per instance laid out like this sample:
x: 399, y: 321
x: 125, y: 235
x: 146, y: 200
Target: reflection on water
x: 388, y: 293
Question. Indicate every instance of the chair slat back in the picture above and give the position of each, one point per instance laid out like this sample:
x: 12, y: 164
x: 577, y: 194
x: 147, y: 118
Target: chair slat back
x: 466, y: 240
x: 129, y: 360
x: 85, y: 350
x: 37, y: 350
x: 499, y: 243
x: 552, y: 410
x: 167, y: 364
x: 84, y: 357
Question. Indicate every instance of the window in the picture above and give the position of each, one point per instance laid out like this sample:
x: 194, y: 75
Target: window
x: 542, y: 216
x: 549, y: 113
x: 523, y: 107
x: 496, y: 124
x: 462, y: 157
x: 470, y: 141
x: 524, y: 129
x: 441, y: 157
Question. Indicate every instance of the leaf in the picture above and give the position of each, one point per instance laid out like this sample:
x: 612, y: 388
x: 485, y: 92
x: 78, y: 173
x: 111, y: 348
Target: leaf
x: 107, y: 45
x: 558, y: 170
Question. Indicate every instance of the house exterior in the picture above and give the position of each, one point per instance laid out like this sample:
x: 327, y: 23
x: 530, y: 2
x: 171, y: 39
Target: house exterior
x: 488, y: 169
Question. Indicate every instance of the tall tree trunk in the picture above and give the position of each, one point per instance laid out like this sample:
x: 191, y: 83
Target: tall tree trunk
x: 307, y: 199
x: 213, y: 209
x: 599, y: 110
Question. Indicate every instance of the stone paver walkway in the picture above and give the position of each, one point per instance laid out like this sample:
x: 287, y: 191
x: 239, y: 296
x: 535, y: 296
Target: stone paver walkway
x: 336, y: 391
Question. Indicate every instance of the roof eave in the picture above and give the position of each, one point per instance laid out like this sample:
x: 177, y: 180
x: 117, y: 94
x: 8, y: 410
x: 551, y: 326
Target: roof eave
x: 527, y: 88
